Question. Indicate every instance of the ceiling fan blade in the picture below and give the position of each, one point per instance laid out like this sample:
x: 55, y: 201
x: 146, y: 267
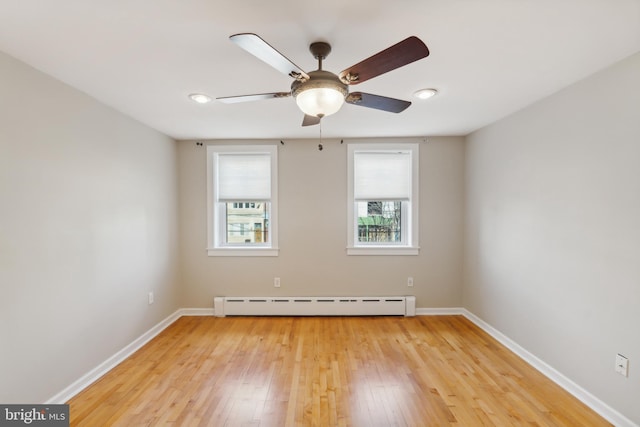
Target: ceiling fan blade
x: 378, y: 102
x: 407, y: 51
x: 262, y: 50
x: 255, y: 97
x: 310, y: 120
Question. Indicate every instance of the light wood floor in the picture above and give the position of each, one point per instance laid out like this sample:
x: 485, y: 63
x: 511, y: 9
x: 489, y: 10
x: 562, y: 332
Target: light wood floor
x: 326, y: 371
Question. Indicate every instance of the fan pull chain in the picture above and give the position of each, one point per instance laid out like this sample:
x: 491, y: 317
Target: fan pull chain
x: 320, y: 145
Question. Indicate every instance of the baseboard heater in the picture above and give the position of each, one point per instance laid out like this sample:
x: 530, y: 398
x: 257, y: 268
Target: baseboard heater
x: 315, y: 306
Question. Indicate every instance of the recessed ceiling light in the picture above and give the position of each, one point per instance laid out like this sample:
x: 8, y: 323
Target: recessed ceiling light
x: 425, y: 93
x: 200, y: 98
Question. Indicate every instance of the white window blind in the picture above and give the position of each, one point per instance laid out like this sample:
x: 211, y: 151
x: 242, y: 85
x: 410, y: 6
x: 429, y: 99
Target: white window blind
x: 382, y: 175
x: 244, y: 177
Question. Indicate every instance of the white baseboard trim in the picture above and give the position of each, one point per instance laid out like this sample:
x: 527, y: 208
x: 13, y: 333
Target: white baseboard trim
x: 97, y: 372
x: 607, y: 412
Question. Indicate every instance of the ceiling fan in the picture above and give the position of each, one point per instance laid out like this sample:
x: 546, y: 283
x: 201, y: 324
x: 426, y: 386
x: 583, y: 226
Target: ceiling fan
x: 320, y: 93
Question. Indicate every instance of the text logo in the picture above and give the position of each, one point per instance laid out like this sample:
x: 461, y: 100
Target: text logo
x: 34, y: 415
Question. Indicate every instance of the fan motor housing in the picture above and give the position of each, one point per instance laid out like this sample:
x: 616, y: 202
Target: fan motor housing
x: 319, y: 79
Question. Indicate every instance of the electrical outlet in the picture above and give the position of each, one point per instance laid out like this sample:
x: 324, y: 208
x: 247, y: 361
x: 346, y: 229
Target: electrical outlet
x: 622, y: 365
x: 276, y: 282
x: 409, y: 281
x: 150, y: 298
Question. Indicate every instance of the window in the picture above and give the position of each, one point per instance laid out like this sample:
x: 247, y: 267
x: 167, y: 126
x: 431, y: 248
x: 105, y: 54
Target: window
x: 242, y: 200
x: 383, y: 199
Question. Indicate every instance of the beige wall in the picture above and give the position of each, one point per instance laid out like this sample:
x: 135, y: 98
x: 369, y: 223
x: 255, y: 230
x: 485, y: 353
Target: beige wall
x: 553, y: 231
x: 313, y: 227
x: 88, y: 226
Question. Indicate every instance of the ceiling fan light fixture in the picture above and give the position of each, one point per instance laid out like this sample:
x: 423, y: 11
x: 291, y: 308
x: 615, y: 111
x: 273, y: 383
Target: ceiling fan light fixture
x: 320, y: 102
x: 320, y: 96
x: 200, y: 98
x: 425, y: 93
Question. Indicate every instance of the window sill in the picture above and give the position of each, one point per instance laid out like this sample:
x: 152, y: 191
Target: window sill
x: 383, y: 250
x: 242, y: 251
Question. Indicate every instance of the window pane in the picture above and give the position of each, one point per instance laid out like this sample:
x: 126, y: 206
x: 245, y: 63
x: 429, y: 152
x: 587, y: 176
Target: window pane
x: 247, y: 223
x: 380, y: 221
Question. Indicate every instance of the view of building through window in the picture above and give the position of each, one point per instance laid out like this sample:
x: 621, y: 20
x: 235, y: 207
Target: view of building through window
x: 247, y: 222
x: 380, y: 221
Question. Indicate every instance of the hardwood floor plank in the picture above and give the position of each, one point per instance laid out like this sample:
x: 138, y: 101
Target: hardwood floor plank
x: 326, y: 371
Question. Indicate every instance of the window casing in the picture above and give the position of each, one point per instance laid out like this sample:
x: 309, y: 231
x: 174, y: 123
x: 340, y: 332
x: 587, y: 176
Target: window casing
x: 382, y: 199
x: 242, y: 200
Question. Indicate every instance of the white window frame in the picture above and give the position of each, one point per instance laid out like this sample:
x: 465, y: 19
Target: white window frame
x: 410, y: 230
x: 215, y: 212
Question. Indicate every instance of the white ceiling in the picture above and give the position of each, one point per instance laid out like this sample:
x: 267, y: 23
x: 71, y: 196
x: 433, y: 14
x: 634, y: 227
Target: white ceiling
x: 488, y: 58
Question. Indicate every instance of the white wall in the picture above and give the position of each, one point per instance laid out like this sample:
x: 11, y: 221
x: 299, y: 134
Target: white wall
x: 88, y: 225
x: 313, y: 231
x: 553, y: 231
